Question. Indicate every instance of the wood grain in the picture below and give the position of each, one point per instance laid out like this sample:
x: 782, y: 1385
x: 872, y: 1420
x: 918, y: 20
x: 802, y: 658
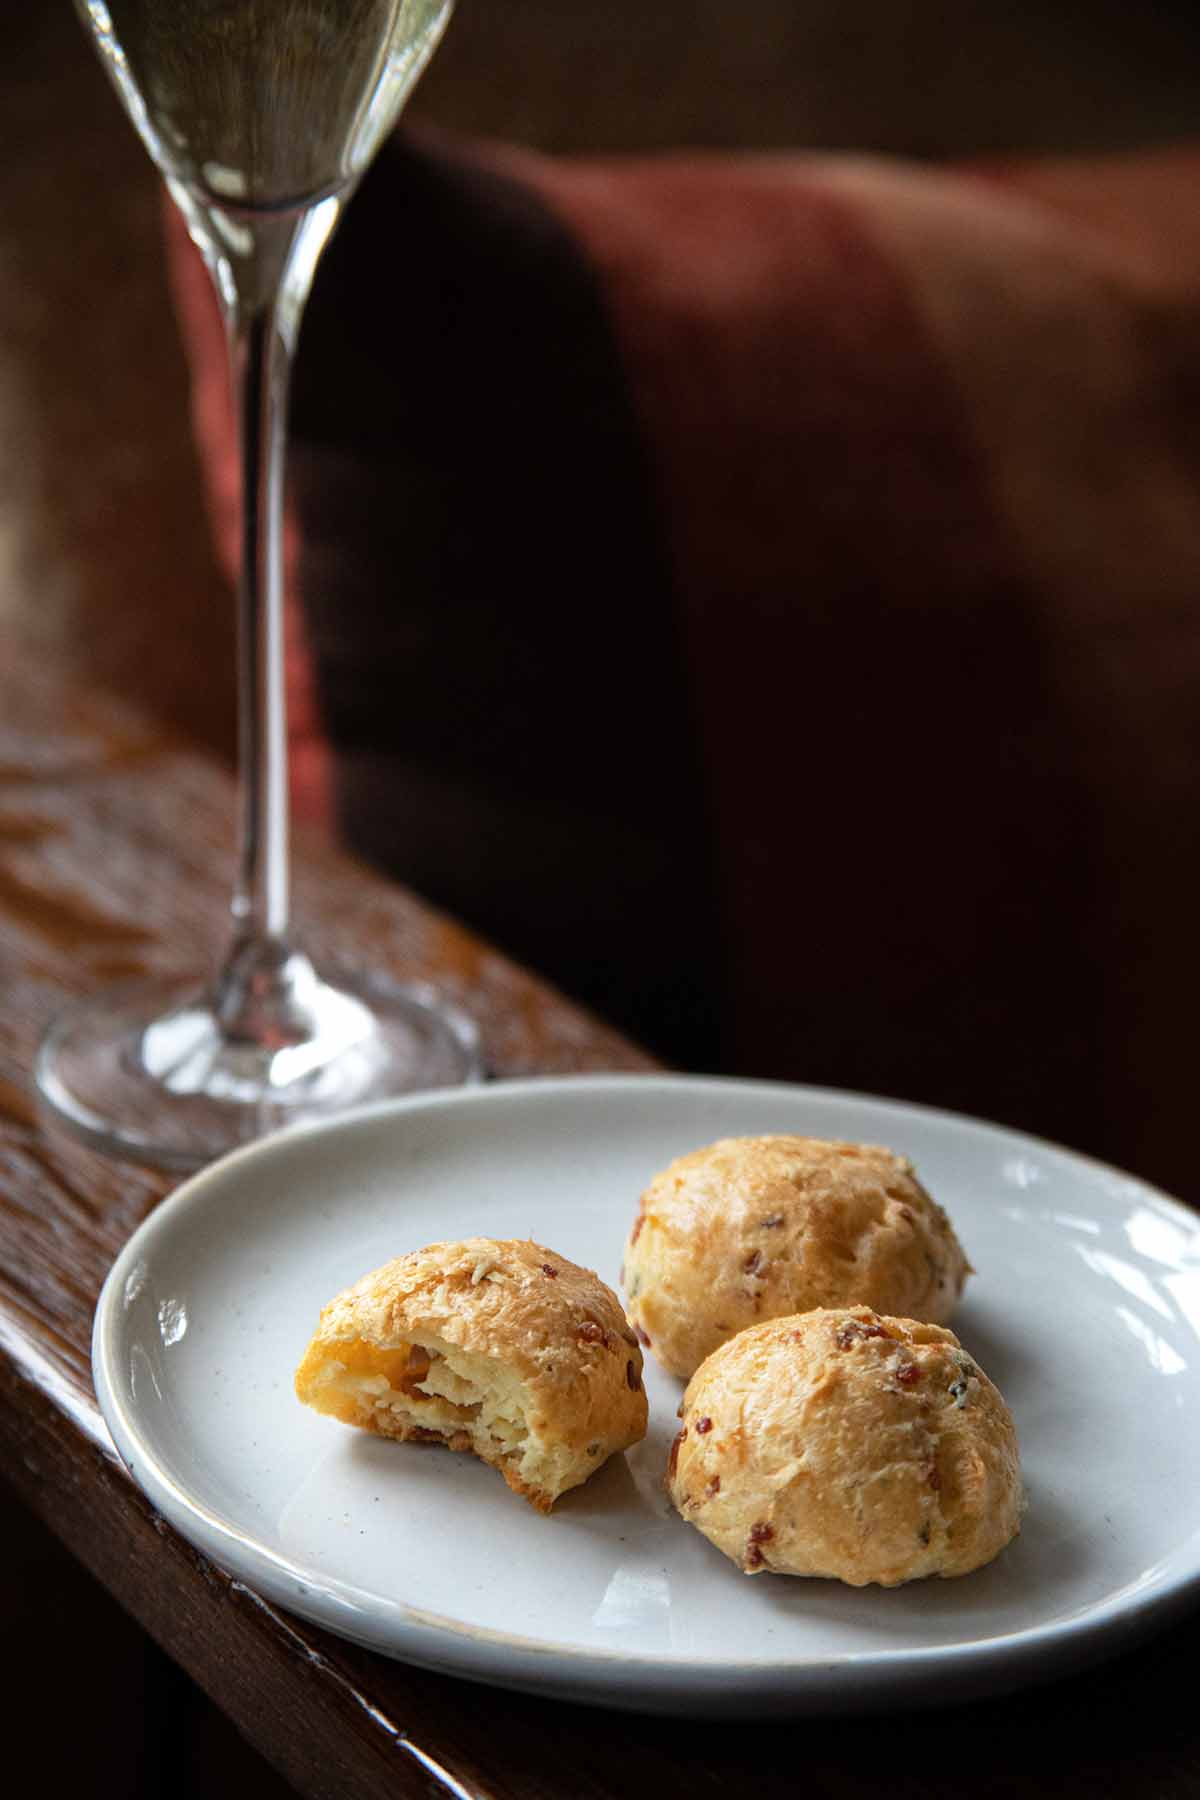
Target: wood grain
x: 115, y: 860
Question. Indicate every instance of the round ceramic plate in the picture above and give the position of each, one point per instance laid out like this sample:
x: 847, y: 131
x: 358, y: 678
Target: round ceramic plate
x: 1085, y: 1310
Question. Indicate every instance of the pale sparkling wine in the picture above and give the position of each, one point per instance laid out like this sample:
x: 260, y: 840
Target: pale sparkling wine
x: 264, y: 103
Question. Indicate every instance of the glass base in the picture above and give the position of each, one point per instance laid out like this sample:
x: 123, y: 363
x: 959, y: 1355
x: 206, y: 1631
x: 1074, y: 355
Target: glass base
x: 151, y: 1072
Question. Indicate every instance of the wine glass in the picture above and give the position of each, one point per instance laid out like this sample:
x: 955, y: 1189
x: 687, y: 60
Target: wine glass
x: 261, y: 115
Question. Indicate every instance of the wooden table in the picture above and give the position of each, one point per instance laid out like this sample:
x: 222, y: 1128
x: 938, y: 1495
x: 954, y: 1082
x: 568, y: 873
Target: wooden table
x: 114, y: 851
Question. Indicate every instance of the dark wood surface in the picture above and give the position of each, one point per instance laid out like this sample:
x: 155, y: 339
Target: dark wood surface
x: 114, y: 853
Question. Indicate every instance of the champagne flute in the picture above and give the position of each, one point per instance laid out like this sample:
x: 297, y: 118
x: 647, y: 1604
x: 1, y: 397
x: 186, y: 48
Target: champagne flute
x: 261, y: 115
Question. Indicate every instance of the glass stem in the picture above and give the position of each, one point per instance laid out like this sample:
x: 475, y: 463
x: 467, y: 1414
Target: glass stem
x: 261, y: 366
x: 266, y: 992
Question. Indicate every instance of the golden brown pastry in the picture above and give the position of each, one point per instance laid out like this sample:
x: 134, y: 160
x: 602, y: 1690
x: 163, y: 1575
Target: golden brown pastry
x: 843, y: 1444
x: 762, y: 1227
x: 500, y: 1347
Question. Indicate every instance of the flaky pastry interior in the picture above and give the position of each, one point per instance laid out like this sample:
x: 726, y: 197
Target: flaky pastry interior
x: 432, y: 1391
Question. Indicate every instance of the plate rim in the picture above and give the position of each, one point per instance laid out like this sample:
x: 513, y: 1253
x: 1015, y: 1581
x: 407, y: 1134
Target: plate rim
x: 845, y: 1681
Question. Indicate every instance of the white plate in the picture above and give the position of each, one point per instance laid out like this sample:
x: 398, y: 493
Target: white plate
x: 1085, y: 1310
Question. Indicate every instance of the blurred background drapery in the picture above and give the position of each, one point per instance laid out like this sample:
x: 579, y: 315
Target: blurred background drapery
x: 92, y: 386
x: 761, y: 592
